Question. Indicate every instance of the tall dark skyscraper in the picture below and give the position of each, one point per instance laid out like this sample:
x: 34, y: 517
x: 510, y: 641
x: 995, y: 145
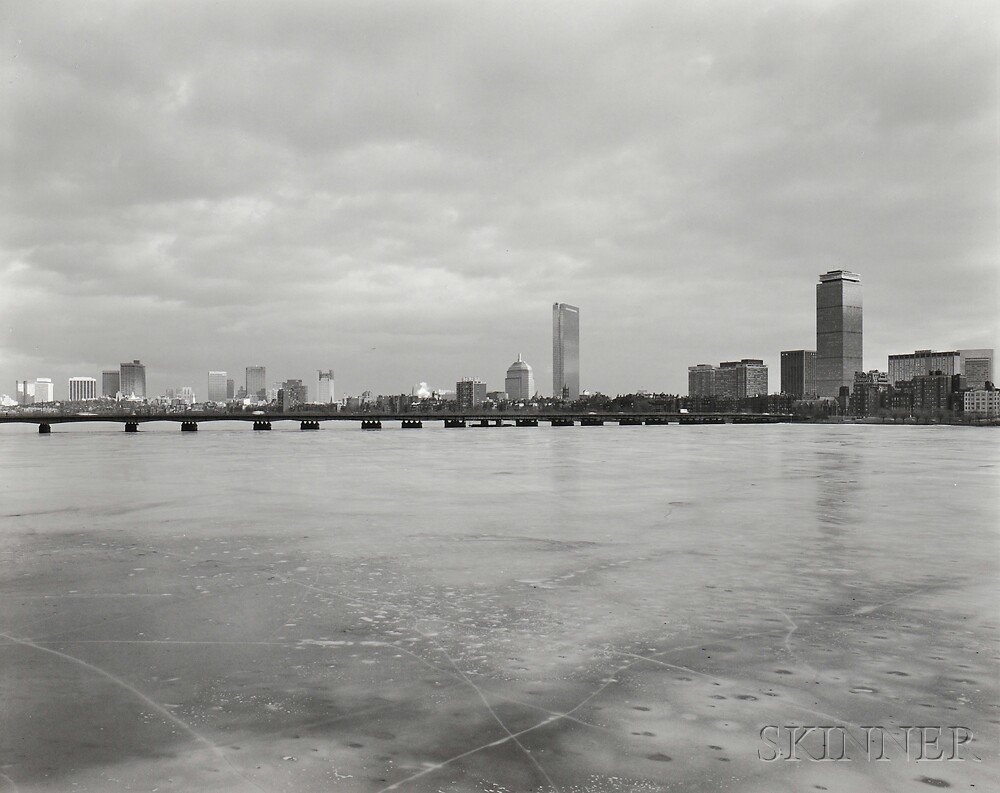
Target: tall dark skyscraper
x: 111, y: 381
x: 798, y: 372
x: 838, y: 331
x: 133, y: 379
x: 565, y: 351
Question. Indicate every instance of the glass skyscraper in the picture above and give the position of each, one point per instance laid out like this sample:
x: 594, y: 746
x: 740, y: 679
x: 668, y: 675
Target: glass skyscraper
x: 132, y: 379
x: 565, y: 351
x: 217, y: 386
x: 838, y: 331
x: 256, y: 384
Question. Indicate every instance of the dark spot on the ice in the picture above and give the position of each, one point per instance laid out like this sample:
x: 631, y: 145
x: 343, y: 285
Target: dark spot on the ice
x: 933, y: 781
x: 782, y: 672
x: 820, y: 787
x: 716, y: 696
x: 898, y: 673
x: 747, y: 697
x: 717, y: 748
x: 355, y: 745
x: 685, y: 679
x: 723, y: 759
x: 863, y: 690
x: 640, y: 707
x: 771, y: 694
x: 660, y: 758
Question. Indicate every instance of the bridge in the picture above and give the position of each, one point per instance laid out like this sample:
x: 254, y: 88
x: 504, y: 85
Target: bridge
x: 189, y: 420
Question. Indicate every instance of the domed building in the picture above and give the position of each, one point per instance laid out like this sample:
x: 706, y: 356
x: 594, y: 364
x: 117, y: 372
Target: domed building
x: 520, y: 383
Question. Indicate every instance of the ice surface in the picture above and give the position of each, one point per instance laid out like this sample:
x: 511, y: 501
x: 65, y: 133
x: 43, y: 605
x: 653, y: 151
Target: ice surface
x: 583, y: 609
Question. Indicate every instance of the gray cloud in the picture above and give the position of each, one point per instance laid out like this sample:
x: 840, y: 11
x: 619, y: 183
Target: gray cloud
x: 215, y: 185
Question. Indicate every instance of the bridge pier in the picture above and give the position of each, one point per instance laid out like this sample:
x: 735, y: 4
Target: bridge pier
x: 526, y: 422
x: 131, y: 426
x: 309, y: 425
x: 562, y: 422
x: 189, y: 426
x: 454, y: 423
x: 44, y: 429
x: 629, y: 422
x: 262, y: 425
x: 371, y: 424
x: 412, y: 424
x: 591, y: 422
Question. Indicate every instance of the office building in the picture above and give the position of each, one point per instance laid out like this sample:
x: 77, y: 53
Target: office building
x: 256, y: 383
x: 839, y: 345
x: 977, y: 367
x: 520, y: 382
x: 133, y: 380
x: 798, y: 373
x: 293, y: 394
x: 187, y: 395
x: 470, y: 393
x: 44, y: 391
x: 111, y: 383
x: 325, y: 395
x: 565, y: 351
x: 230, y: 389
x: 980, y: 403
x: 910, y: 365
x: 701, y: 380
x: 82, y: 389
x: 217, y: 386
x: 744, y: 378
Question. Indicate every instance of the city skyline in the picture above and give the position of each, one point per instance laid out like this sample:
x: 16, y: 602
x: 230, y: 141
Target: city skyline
x: 160, y: 204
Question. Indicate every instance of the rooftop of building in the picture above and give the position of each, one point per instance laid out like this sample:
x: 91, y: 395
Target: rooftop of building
x: 839, y: 275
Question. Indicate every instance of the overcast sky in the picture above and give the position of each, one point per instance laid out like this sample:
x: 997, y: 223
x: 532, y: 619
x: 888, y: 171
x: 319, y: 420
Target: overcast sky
x: 400, y: 191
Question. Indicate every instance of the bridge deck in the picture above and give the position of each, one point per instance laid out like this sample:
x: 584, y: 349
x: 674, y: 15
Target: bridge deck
x: 141, y: 418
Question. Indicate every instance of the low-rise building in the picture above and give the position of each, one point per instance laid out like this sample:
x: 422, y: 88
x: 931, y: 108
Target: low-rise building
x: 982, y: 403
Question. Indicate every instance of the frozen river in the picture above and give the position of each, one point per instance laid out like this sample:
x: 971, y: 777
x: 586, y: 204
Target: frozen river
x: 574, y: 609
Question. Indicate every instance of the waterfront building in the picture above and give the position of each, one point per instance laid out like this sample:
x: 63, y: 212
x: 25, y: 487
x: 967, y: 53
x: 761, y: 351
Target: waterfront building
x: 565, y: 351
x: 701, y: 380
x: 292, y: 394
x: 798, y: 373
x: 496, y: 397
x: 217, y: 386
x: 470, y: 393
x: 44, y: 391
x: 520, y: 382
x: 325, y: 393
x: 256, y: 382
x: 111, y: 383
x: 977, y: 367
x: 82, y: 389
x: 839, y: 343
x: 982, y: 403
x: 910, y: 365
x: 870, y: 393
x: 744, y: 378
x: 230, y: 389
x: 132, y: 380
x: 929, y: 392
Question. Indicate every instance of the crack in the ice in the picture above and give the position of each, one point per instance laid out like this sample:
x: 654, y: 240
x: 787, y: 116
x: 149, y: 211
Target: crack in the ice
x: 183, y: 725
x: 493, y: 713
